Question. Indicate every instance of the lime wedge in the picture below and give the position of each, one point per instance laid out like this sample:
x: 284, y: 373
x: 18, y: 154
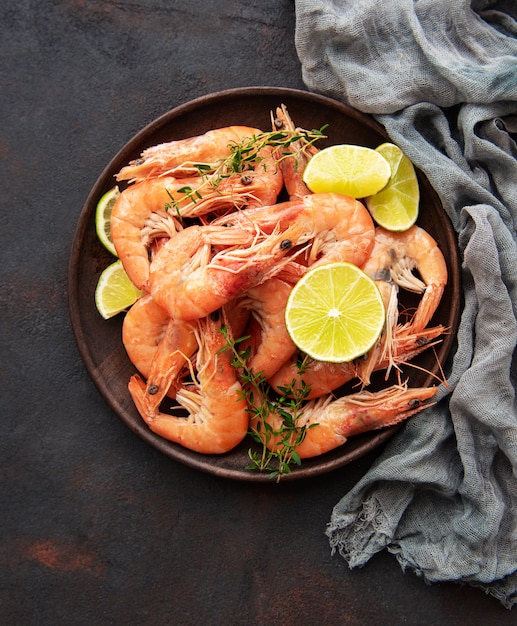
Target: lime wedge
x: 102, y: 218
x: 396, y: 206
x: 350, y: 170
x: 115, y: 292
x: 335, y: 313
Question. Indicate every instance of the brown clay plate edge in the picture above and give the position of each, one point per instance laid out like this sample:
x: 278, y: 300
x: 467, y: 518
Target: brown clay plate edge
x: 204, y: 463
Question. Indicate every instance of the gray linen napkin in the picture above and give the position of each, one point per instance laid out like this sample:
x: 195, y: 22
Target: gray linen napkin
x: 441, y: 76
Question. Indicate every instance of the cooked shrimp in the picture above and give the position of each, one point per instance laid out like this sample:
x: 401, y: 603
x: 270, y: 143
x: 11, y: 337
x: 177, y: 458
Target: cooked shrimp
x: 337, y: 227
x: 319, y: 377
x: 322, y: 377
x: 183, y: 155
x: 139, y: 216
x: 171, y: 360
x: 404, y: 345
x: 274, y: 345
x: 143, y: 328
x: 384, y: 347
x: 396, y: 255
x: 293, y: 164
x: 217, y: 411
x: 156, y: 345
x: 190, y: 283
x: 333, y: 421
x: 156, y: 207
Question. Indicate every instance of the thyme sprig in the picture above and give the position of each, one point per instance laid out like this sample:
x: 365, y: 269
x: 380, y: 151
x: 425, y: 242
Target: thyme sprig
x: 193, y: 195
x: 262, y: 401
x: 245, y: 156
x: 246, y: 153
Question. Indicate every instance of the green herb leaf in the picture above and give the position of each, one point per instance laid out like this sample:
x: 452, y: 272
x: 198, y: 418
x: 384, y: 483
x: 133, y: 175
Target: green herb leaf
x: 262, y: 400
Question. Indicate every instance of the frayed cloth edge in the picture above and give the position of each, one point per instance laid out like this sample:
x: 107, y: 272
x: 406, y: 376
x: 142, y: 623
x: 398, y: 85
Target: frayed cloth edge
x: 357, y: 537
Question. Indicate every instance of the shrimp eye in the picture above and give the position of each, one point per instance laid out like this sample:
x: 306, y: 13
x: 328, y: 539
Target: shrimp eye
x: 414, y: 403
x: 278, y: 123
x: 153, y: 390
x: 214, y: 315
x: 246, y: 180
x: 422, y: 341
x: 286, y: 244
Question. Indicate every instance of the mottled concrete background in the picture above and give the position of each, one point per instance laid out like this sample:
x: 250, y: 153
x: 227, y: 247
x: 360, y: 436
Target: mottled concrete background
x: 96, y: 526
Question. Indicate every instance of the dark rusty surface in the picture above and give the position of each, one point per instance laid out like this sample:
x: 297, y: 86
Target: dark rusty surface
x: 98, y: 527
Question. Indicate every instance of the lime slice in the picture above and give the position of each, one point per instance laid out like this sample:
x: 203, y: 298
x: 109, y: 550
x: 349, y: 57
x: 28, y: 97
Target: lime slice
x: 396, y: 206
x: 350, y: 170
x: 335, y: 313
x: 115, y: 292
x: 102, y: 218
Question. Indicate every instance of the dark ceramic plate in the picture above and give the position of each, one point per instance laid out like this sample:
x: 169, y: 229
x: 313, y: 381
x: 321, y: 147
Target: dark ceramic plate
x: 99, y: 341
